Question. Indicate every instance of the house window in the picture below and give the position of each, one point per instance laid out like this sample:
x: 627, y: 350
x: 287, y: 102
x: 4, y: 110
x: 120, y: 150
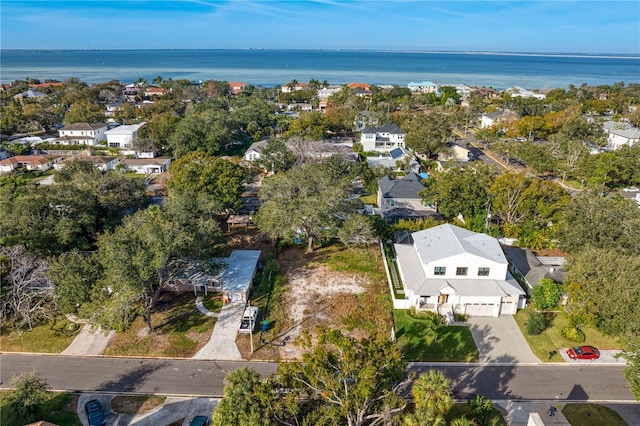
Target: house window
x: 461, y: 271
x: 392, y: 203
x: 439, y: 270
x: 483, y: 272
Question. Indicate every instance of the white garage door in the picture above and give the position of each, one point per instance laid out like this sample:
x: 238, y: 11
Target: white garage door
x: 480, y: 309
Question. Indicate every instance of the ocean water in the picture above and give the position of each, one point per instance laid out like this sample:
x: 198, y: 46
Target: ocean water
x: 275, y: 67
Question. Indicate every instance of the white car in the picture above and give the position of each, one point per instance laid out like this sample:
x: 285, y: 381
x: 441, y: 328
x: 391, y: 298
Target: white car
x: 631, y: 189
x: 249, y: 319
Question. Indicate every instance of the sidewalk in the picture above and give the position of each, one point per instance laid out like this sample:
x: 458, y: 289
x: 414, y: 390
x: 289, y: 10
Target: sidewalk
x: 517, y: 413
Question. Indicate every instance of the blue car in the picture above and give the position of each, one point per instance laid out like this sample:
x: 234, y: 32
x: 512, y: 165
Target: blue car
x: 95, y: 415
x: 200, y: 421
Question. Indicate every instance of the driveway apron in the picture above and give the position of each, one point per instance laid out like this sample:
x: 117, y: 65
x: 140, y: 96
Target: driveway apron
x: 499, y: 340
x: 222, y: 344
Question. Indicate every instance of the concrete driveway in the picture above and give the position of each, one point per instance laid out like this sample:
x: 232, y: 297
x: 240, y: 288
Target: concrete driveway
x: 222, y: 344
x: 499, y: 340
x: 173, y: 409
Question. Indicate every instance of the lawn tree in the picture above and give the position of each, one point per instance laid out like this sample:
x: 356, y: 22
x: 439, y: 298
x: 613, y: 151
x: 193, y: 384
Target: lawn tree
x: 428, y: 133
x: 74, y: 275
x: 431, y: 393
x: 305, y: 200
x: 546, y: 295
x: 356, y: 230
x: 603, y: 291
x: 245, y: 401
x: 25, y: 401
x: 149, y: 248
x: 461, y: 191
x: 84, y: 111
x: 206, y: 131
x: 197, y: 173
x: 276, y: 157
x: 602, y: 222
x: 632, y: 355
x: 352, y: 382
x: 26, y: 293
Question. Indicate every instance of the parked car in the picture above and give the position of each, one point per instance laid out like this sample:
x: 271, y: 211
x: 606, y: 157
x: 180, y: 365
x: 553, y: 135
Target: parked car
x: 200, y: 421
x: 94, y: 412
x: 249, y: 320
x: 583, y: 352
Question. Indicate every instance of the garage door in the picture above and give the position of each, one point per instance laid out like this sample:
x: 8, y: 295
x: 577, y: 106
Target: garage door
x: 507, y: 308
x: 480, y: 309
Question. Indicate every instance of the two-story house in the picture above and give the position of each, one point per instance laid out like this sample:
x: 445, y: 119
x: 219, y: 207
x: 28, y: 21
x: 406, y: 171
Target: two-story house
x: 122, y: 137
x: 382, y: 139
x: 82, y: 134
x: 448, y: 269
x: 400, y: 198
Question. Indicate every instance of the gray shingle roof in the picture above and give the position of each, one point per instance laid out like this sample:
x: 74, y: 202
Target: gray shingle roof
x: 84, y: 126
x: 407, y: 187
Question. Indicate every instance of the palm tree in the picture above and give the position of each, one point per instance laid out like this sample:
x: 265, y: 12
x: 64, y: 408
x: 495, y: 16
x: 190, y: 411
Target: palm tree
x: 432, y: 391
x: 461, y: 421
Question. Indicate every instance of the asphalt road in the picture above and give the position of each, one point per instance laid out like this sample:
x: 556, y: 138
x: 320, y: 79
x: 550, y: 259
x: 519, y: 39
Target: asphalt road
x: 205, y: 378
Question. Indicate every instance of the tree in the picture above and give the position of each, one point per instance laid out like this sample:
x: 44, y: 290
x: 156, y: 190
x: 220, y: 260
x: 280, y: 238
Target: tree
x: 305, y: 200
x: 199, y: 172
x: 25, y: 291
x: 276, y: 157
x: 147, y: 250
x: 427, y: 133
x: 481, y: 409
x: 460, y: 191
x: 350, y: 381
x: 632, y: 355
x: 602, y: 222
x: 206, y: 132
x: 74, y: 275
x: 536, y: 323
x: 245, y: 395
x: 84, y: 111
x: 356, y: 230
x: 603, y: 291
x: 432, y: 391
x: 546, y: 295
x: 25, y: 401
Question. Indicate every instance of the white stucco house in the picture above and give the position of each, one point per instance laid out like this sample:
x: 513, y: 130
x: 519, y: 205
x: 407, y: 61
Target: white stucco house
x: 100, y: 162
x: 27, y: 162
x: 620, y: 134
x: 147, y: 166
x: 501, y: 117
x: 382, y: 139
x: 83, y: 134
x: 122, y: 137
x: 255, y: 150
x: 453, y: 270
x: 423, y: 87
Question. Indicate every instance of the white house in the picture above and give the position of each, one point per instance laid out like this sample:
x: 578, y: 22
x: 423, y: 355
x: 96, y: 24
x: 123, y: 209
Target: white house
x: 293, y: 87
x: 99, y: 162
x: 147, y: 166
x: 122, y: 137
x: 383, y: 139
x: 502, y: 117
x: 423, y: 87
x: 28, y: 162
x: 517, y: 91
x: 83, y: 134
x: 324, y: 93
x: 620, y: 134
x: 395, y: 158
x: 255, y: 150
x: 453, y: 270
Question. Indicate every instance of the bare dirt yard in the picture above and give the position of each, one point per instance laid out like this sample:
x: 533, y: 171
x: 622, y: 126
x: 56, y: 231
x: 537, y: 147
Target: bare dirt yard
x: 334, y: 287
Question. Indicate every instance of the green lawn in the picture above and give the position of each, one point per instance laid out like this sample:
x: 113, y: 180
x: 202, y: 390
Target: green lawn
x: 52, y: 337
x: 180, y: 329
x: 551, y: 339
x: 453, y: 344
x: 592, y: 414
x: 60, y: 409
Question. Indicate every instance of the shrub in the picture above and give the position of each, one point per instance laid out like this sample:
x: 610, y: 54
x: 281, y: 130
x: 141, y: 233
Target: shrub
x: 536, y: 323
x: 573, y: 334
x: 547, y: 294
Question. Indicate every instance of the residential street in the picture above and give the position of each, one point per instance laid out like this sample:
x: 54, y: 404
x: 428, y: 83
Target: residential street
x: 205, y: 378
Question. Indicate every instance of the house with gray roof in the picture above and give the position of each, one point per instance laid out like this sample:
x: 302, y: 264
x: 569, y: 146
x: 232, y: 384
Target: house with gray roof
x: 501, y: 117
x: 396, y: 159
x: 255, y: 150
x: 382, y: 139
x: 448, y: 269
x: 620, y: 134
x: 83, y: 134
x: 399, y: 198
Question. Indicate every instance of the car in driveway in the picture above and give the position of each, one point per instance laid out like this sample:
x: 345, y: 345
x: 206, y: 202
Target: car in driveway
x: 94, y: 413
x: 200, y: 421
x: 583, y: 352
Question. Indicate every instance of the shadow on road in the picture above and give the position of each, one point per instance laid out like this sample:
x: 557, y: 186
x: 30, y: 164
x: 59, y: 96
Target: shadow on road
x: 133, y: 378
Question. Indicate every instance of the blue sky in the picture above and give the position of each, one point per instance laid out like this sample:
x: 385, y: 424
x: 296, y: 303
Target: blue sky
x: 540, y: 26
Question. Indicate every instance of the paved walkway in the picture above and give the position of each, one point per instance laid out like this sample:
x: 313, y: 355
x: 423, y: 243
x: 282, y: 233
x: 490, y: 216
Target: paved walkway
x: 90, y: 341
x: 517, y: 413
x: 204, y: 310
x: 222, y: 344
x: 500, y: 340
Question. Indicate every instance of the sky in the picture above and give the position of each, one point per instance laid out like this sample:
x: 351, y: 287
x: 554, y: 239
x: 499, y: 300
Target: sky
x: 550, y: 26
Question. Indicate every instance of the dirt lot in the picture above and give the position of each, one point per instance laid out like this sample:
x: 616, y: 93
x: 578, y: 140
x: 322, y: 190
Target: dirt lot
x: 315, y: 295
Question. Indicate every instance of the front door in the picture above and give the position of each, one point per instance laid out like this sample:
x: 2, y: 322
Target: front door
x: 443, y: 299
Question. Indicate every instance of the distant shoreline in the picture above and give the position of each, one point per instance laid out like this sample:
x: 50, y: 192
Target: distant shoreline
x: 414, y: 51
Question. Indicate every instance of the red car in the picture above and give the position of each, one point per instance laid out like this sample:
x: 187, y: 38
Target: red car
x: 583, y: 352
